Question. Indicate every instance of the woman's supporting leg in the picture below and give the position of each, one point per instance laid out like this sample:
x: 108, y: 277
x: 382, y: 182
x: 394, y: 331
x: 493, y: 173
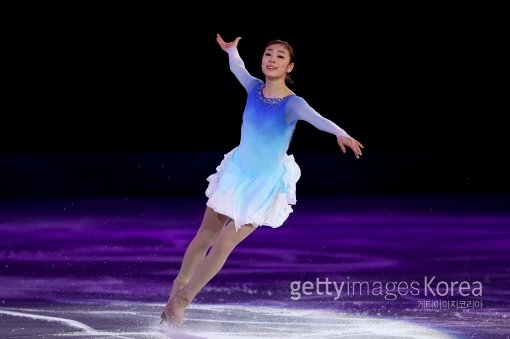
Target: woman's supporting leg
x: 214, y: 261
x: 206, y: 270
x: 209, y: 230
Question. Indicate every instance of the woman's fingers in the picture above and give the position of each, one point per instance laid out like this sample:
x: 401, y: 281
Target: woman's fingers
x: 356, y: 148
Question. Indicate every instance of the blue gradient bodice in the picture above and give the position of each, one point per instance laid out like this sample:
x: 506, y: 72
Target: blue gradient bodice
x: 265, y: 132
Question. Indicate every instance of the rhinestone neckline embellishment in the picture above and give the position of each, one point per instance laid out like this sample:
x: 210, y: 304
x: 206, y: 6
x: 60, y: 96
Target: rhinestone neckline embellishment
x: 270, y: 100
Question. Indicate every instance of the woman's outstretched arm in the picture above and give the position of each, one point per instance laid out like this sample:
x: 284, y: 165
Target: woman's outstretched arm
x: 236, y: 63
x: 298, y: 109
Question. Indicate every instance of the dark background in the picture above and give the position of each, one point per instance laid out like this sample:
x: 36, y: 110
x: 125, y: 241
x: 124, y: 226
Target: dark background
x: 136, y: 103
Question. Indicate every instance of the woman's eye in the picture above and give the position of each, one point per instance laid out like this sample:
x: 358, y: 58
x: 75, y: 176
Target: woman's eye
x: 281, y: 56
x: 267, y: 54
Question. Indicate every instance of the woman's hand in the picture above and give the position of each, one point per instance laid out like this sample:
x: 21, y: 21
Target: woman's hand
x: 352, y: 143
x: 225, y: 45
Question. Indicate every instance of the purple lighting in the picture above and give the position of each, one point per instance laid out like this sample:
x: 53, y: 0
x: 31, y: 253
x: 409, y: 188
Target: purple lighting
x: 89, y: 268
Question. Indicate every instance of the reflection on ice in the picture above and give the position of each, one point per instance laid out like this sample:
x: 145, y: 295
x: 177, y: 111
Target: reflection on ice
x: 216, y: 321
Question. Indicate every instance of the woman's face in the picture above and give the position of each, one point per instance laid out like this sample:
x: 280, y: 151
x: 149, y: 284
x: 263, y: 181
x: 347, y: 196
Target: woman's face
x: 276, y: 61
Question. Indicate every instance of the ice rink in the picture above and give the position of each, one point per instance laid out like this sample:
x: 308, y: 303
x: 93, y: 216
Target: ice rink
x: 102, y: 268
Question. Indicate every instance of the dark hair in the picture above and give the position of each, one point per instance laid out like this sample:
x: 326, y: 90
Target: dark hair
x: 291, y: 54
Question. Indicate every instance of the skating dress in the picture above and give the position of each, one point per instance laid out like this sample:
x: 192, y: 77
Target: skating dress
x: 255, y: 183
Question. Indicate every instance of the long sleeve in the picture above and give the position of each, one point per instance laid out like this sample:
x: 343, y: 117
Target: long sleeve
x: 237, y: 67
x: 298, y: 109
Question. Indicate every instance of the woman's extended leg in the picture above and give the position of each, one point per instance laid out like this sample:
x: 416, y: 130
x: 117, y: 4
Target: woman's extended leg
x: 206, y: 270
x: 209, y: 230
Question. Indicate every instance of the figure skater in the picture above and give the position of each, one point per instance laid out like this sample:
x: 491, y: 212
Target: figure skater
x: 255, y: 183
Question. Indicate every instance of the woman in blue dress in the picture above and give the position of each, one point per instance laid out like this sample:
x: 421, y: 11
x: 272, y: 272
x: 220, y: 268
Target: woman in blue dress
x: 255, y: 183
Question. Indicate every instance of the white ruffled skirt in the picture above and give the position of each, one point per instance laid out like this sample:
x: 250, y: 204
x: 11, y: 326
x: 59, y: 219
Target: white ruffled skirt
x: 261, y: 200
